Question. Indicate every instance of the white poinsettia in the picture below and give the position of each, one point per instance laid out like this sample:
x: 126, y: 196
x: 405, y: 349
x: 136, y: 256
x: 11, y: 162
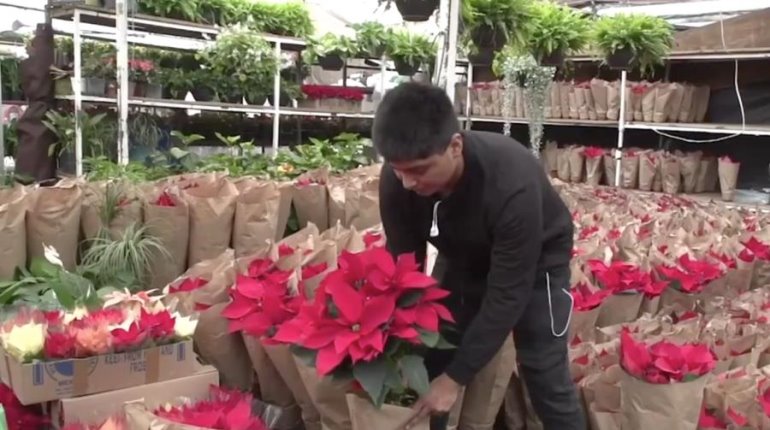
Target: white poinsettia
x: 52, y: 255
x: 24, y: 342
x: 184, y: 327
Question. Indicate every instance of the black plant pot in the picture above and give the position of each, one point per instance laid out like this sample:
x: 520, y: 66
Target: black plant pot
x: 404, y: 68
x: 482, y: 58
x: 331, y: 62
x: 94, y: 87
x: 284, y: 101
x: 203, y: 94
x: 485, y: 37
x: 416, y: 10
x: 554, y: 59
x: 66, y: 162
x: 256, y: 99
x: 234, y: 98
x: 621, y: 59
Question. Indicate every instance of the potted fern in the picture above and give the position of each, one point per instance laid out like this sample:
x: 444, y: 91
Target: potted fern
x: 330, y: 51
x: 409, y: 51
x: 633, y: 40
x: 556, y: 30
x: 372, y: 38
x: 491, y: 24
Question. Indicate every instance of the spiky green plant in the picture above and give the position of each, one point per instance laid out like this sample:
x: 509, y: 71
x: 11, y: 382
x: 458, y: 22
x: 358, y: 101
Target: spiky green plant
x: 556, y: 28
x: 648, y: 37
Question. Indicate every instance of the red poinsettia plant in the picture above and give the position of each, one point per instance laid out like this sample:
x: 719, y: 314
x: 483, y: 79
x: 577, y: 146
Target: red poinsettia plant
x: 664, y: 362
x: 165, y: 200
x: 18, y: 416
x: 594, y: 152
x: 621, y: 277
x: 691, y: 275
x: 586, y: 299
x: 225, y: 410
x: 759, y: 249
x: 314, y: 92
x: 369, y: 320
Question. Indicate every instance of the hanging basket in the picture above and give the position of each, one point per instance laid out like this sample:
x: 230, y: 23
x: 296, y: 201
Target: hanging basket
x: 482, y: 58
x: 404, y: 68
x: 621, y: 59
x: 554, y: 59
x: 416, y: 10
x: 331, y: 62
x: 485, y: 37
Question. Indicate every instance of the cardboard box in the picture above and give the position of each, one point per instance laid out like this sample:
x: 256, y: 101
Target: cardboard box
x: 98, y: 408
x: 45, y: 381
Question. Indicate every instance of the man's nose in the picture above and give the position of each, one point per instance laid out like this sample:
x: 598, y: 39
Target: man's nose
x: 408, y: 182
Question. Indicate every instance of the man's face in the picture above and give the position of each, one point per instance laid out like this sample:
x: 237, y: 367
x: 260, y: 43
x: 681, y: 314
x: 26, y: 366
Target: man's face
x: 431, y: 175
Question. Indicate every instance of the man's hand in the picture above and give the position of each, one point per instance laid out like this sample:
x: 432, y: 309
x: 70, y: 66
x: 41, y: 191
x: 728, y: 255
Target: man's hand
x: 439, y: 400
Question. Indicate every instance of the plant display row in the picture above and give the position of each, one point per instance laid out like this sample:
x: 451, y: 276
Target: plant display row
x: 550, y: 31
x: 408, y: 50
x: 670, y: 316
x: 282, y: 19
x: 10, y: 69
x: 597, y: 99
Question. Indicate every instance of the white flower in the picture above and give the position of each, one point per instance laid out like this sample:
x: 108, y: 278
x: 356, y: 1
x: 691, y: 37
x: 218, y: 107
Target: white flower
x: 52, y: 255
x: 76, y: 314
x: 184, y: 327
x: 24, y: 342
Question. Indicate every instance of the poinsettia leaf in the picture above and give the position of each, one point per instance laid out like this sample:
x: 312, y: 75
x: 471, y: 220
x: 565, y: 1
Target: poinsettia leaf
x: 690, y: 377
x: 372, y: 376
x: 42, y: 268
x: 415, y: 373
x: 444, y: 344
x: 306, y: 356
x: 409, y: 299
x: 429, y: 338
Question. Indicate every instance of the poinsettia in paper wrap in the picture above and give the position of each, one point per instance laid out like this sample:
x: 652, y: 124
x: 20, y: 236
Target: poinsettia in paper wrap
x: 111, y: 206
x: 53, y: 219
x: 562, y: 167
x: 13, y: 230
x: 362, y: 203
x: 550, y: 158
x: 759, y: 253
x: 363, y: 313
x: 310, y: 198
x: 627, y: 283
x: 728, y: 177
x: 257, y: 215
x: 662, y: 384
x: 630, y: 169
x: 167, y: 218
x: 576, y: 163
x: 691, y: 280
x: 599, y: 94
x: 593, y: 162
x: 225, y: 410
x: 689, y: 163
x: 268, y: 292
x: 649, y: 167
x: 212, y: 210
x: 601, y: 397
x: 708, y: 175
x: 732, y: 396
x: 586, y: 306
x: 610, y: 167
x: 671, y: 173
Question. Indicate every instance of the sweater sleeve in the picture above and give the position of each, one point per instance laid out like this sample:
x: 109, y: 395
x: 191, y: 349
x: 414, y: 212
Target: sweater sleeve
x: 517, y: 243
x: 401, y: 232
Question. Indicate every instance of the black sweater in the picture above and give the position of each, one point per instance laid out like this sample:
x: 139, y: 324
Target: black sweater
x: 500, y: 228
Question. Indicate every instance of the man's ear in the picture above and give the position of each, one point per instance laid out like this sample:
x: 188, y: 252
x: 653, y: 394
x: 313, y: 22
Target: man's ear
x: 456, y: 145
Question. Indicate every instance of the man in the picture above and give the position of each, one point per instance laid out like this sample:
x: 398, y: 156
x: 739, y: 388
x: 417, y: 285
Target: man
x: 505, y: 238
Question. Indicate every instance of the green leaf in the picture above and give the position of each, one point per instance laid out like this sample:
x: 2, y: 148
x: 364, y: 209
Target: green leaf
x: 306, y: 356
x: 372, y: 377
x: 415, y: 373
x: 429, y: 338
x: 444, y: 344
x: 42, y: 268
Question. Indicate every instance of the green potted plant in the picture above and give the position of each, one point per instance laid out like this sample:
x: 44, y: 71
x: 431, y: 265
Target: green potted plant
x: 96, y: 133
x: 63, y: 52
x: 98, y: 68
x: 245, y: 61
x: 414, y: 10
x: 187, y: 10
x: 201, y: 85
x: 633, y: 40
x: 555, y: 31
x: 372, y: 38
x: 491, y: 24
x: 9, y: 67
x: 283, y: 19
x: 409, y: 51
x: 330, y: 51
x: 62, y: 81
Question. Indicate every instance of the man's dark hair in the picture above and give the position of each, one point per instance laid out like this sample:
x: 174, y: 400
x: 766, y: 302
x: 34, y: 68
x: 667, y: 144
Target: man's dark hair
x: 414, y: 121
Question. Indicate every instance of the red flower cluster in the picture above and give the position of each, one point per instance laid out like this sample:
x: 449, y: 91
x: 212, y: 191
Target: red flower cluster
x: 95, y: 334
x: 372, y: 239
x: 260, y: 300
x: 165, y: 200
x: 691, y: 276
x: 593, y: 152
x: 225, y: 410
x: 187, y: 285
x: 367, y: 302
x: 18, y: 416
x: 664, y: 362
x: 709, y: 420
x: 621, y: 277
x: 304, y: 182
x: 585, y: 300
x: 314, y: 92
x: 758, y: 249
x: 139, y: 65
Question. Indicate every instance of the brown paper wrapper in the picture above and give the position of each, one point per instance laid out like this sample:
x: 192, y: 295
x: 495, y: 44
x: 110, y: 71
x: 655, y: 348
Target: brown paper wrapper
x: 336, y: 193
x: 551, y: 157
x: 563, y: 168
x: 13, y: 230
x: 675, y: 102
x: 649, y: 166
x: 728, y: 178
x: 672, y: 177
x: 328, y: 397
x: 128, y: 213
x: 630, y: 165
x: 581, y: 102
x: 660, y: 406
x: 687, y: 104
x: 708, y: 176
x: 613, y: 100
x: 171, y: 227
x: 594, y: 170
x: 256, y: 217
x: 485, y: 394
x: 599, y: 94
x: 223, y: 350
x: 689, y: 164
x: 362, y: 204
x: 583, y: 324
x: 663, y: 94
x: 519, y: 105
x: 701, y: 98
x: 576, y: 163
x: 54, y: 220
x: 283, y: 362
x: 556, y: 111
x: 609, y: 169
x: 212, y: 210
x: 574, y: 104
x: 619, y: 308
x: 311, y: 200
x: 366, y: 417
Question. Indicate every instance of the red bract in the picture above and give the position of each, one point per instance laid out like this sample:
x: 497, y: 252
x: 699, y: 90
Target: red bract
x: 314, y: 92
x: 158, y: 326
x: 100, y: 318
x: 621, y: 277
x: 708, y: 420
x: 692, y: 275
x: 764, y: 400
x: 371, y: 239
x: 587, y: 232
x: 593, y: 152
x: 285, y: 250
x: 725, y: 259
x: 165, y: 200
x: 18, y: 416
x: 585, y: 300
x: 760, y: 250
x: 312, y: 270
x: 124, y: 340
x: 664, y: 362
x: 59, y: 344
x: 187, y: 285
x: 304, y: 182
x: 261, y: 300
x: 226, y: 410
